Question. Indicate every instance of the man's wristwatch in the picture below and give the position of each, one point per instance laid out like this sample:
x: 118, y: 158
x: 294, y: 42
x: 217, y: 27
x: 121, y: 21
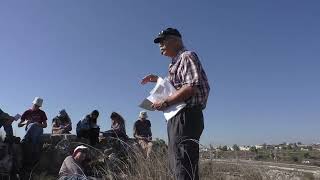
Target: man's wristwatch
x: 165, y: 104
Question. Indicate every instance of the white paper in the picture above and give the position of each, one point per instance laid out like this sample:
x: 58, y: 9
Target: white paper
x: 147, y: 104
x: 25, y: 122
x: 160, y: 92
x: 17, y: 117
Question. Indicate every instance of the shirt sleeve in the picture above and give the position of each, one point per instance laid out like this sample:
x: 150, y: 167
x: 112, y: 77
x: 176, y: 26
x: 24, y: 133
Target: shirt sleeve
x: 25, y: 115
x: 191, y: 70
x: 150, y: 132
x: 135, y: 129
x: 149, y: 124
x: 44, y: 117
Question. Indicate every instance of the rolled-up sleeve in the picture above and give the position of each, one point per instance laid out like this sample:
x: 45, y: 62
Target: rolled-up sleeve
x: 191, y: 70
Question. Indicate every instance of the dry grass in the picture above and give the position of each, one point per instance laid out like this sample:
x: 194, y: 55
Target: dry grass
x: 129, y: 162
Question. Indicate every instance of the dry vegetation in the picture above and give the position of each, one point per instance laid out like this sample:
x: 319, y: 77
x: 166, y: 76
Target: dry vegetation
x: 136, y: 167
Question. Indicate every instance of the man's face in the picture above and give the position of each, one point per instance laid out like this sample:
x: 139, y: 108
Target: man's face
x: 35, y: 107
x: 80, y: 156
x: 167, y: 47
x: 94, y: 116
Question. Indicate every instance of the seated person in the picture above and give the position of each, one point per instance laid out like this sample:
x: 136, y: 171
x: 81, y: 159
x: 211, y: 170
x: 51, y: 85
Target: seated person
x: 61, y: 124
x: 142, y: 133
x: 6, y: 121
x: 118, y: 128
x: 73, y: 166
x: 35, y: 120
x: 88, y: 128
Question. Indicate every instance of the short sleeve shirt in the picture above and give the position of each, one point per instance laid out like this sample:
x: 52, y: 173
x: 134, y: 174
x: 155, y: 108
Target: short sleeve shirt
x: 143, y: 128
x: 34, y: 116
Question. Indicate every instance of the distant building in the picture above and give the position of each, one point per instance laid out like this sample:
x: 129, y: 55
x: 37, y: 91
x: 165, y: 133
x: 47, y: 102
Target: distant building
x: 244, y: 148
x: 204, y: 149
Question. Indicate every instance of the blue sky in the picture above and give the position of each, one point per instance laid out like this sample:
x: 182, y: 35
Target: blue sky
x: 261, y: 58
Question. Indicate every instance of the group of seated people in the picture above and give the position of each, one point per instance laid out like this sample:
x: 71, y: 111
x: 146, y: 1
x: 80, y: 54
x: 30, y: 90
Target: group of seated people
x: 35, y: 119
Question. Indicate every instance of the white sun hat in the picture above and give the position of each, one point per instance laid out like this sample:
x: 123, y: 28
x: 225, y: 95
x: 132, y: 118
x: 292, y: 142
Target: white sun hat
x: 143, y: 114
x: 78, y: 148
x: 37, y: 101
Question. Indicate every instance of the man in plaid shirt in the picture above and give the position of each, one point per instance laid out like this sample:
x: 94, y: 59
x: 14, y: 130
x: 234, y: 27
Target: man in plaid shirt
x: 184, y: 129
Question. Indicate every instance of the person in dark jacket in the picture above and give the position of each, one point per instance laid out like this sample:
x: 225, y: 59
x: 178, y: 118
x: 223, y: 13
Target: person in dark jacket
x: 88, y: 128
x: 6, y: 121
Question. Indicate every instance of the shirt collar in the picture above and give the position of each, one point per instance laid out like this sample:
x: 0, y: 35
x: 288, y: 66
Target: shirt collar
x: 176, y: 58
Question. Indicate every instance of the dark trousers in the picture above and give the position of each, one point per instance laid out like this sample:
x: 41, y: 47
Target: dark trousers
x: 115, y: 134
x: 91, y: 134
x: 184, y: 131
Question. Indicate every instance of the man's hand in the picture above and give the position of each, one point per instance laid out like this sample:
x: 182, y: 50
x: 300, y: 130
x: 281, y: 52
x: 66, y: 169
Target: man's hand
x: 21, y: 124
x: 149, y: 78
x: 159, y: 105
x: 38, y: 124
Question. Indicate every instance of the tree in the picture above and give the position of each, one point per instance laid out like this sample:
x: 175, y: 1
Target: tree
x: 306, y: 155
x: 264, y: 146
x: 236, y: 147
x: 253, y: 149
x: 299, y: 143
x: 294, y: 158
x: 225, y: 148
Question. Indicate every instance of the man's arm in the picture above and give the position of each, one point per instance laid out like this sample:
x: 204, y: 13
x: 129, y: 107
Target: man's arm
x: 184, y: 93
x: 43, y: 124
x: 23, y: 118
x: 135, y: 134
x: 190, y: 80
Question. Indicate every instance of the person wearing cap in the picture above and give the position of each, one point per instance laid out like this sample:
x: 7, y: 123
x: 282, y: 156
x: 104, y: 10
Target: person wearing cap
x: 187, y: 75
x: 61, y: 124
x: 35, y: 120
x: 6, y: 121
x: 118, y: 127
x: 142, y: 133
x: 72, y: 166
x: 88, y: 128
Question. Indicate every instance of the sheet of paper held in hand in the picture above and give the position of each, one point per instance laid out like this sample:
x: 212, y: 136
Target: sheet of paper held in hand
x: 160, y: 92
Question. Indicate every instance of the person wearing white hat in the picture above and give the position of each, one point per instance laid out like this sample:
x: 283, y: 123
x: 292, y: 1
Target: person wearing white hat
x: 35, y: 120
x: 72, y: 165
x: 142, y: 133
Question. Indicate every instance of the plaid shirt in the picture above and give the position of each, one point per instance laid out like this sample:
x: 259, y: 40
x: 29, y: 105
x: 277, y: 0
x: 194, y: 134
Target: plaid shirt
x: 186, y: 69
